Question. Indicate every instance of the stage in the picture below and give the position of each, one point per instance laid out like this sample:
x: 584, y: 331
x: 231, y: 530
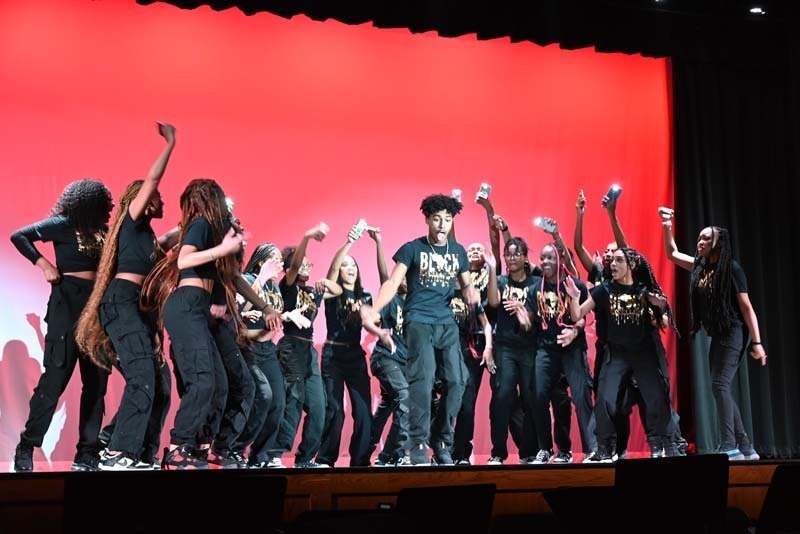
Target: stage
x: 39, y: 501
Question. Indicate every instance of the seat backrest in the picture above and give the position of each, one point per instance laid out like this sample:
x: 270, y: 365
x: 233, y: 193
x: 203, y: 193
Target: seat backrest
x: 781, y: 509
x: 466, y: 508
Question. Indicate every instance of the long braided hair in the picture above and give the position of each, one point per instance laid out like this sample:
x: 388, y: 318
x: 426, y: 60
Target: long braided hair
x: 644, y: 277
x: 202, y: 197
x: 719, y: 294
x: 89, y: 333
x: 561, y: 275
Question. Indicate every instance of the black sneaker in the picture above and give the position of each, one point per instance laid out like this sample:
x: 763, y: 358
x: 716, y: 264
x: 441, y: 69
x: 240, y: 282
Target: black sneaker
x: 543, y: 456
x: 563, y: 457
x: 23, y: 458
x: 419, y: 455
x: 224, y: 459
x: 443, y: 457
x: 182, y: 458
x: 86, y: 461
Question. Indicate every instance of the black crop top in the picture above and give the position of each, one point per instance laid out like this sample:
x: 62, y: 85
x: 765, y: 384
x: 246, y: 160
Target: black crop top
x: 137, y: 244
x: 199, y: 235
x: 74, y: 252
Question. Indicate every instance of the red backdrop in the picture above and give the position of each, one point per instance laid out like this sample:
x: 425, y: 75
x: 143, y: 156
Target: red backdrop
x: 302, y: 121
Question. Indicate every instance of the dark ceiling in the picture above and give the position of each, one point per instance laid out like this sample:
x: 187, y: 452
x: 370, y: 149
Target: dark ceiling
x: 679, y: 28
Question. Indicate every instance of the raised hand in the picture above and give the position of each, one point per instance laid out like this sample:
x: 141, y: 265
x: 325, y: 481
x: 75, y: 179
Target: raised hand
x: 374, y: 233
x: 499, y: 223
x: 318, y: 232
x: 167, y: 131
x: 269, y: 269
x: 580, y: 204
x: 571, y: 289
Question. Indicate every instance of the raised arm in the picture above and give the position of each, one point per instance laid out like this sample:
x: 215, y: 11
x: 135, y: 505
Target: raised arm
x: 492, y: 292
x: 383, y: 272
x: 150, y: 185
x: 562, y: 248
x: 611, y: 209
x: 577, y: 240
x: 338, y: 258
x: 318, y: 233
x: 678, y: 258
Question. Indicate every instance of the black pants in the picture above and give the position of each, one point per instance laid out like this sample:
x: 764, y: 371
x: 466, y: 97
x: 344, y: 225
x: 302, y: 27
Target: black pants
x: 515, y: 369
x: 726, y: 354
x: 241, y: 388
x: 305, y: 392
x: 201, y: 381
x: 391, y: 375
x: 261, y: 430
x: 132, y: 338
x: 422, y: 341
x: 618, y: 368
x: 345, y: 366
x: 67, y: 300
x: 553, y: 362
x: 465, y: 421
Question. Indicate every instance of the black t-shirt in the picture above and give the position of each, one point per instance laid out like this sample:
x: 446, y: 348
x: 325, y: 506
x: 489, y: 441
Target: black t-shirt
x: 343, y: 318
x: 596, y: 277
x: 296, y: 296
x: 468, y: 323
x: 628, y: 315
x: 75, y: 252
x: 702, y: 295
x: 392, y: 318
x: 550, y: 307
x: 508, y: 330
x: 595, y: 274
x: 199, y: 235
x: 432, y: 271
x: 137, y: 245
x: 269, y: 293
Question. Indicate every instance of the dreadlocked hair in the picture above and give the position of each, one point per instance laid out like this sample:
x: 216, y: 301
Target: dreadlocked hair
x: 343, y: 312
x: 719, y: 294
x: 89, y: 333
x: 86, y: 205
x: 644, y: 277
x: 433, y: 203
x: 202, y: 197
x: 561, y: 275
x: 260, y: 255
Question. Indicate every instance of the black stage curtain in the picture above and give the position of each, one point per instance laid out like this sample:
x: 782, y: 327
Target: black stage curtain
x: 737, y: 156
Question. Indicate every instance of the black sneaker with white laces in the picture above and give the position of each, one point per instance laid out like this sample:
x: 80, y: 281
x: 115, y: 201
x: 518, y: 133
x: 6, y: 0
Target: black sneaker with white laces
x: 563, y: 457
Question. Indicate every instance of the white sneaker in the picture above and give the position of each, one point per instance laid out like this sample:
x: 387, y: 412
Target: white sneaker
x: 543, y: 457
x: 117, y: 462
x: 275, y: 463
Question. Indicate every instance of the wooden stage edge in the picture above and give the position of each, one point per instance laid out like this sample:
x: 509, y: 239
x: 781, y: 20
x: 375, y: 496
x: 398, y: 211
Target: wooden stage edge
x: 519, y: 488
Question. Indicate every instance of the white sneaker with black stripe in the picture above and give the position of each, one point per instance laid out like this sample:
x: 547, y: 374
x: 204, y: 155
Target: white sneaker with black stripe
x: 120, y: 461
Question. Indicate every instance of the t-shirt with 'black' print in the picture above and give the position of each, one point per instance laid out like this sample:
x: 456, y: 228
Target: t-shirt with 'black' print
x: 508, y: 330
x: 296, y: 296
x: 392, y: 319
x: 431, y: 276
x: 269, y: 293
x: 480, y: 281
x: 628, y: 316
x: 550, y: 307
x: 343, y: 316
x: 702, y: 296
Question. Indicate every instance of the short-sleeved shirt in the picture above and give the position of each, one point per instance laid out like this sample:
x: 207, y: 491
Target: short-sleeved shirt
x: 468, y: 323
x: 551, y: 313
x: 199, y: 234
x: 508, y: 330
x: 269, y: 293
x: 296, y: 296
x: 343, y: 316
x: 480, y: 281
x: 431, y: 276
x: 75, y: 252
x: 392, y: 318
x: 137, y: 245
x: 628, y: 315
x: 702, y: 295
